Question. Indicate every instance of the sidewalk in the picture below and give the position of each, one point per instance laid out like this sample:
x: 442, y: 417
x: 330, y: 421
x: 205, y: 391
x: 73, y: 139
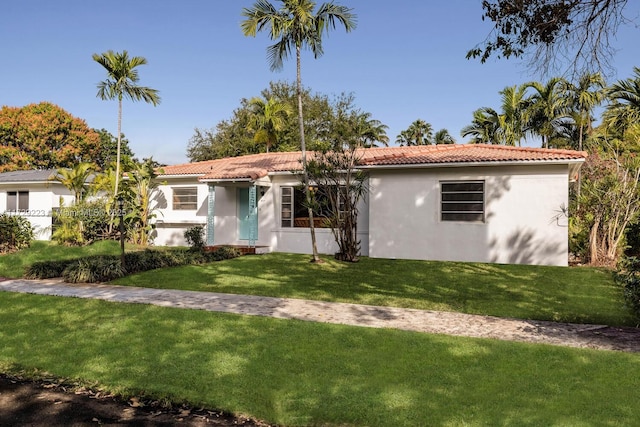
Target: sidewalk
x: 459, y: 324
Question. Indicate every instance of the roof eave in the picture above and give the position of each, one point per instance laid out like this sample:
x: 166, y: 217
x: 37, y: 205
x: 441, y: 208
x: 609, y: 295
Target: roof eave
x: 576, y: 162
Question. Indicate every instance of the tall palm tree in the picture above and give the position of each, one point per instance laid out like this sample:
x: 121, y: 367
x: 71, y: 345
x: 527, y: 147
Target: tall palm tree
x: 514, y: 118
x: 443, y: 137
x: 268, y: 118
x: 549, y: 108
x: 418, y: 133
x: 295, y: 26
x: 122, y: 79
x: 584, y: 96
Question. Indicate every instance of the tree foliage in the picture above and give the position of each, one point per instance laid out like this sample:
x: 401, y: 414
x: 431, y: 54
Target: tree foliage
x: 327, y: 121
x: 342, y: 186
x: 44, y: 136
x: 109, y: 149
x: 552, y: 33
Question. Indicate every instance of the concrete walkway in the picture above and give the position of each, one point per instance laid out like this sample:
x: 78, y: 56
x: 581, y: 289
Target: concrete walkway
x: 566, y: 334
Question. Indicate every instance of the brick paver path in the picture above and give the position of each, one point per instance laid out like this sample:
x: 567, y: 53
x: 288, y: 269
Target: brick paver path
x: 567, y: 334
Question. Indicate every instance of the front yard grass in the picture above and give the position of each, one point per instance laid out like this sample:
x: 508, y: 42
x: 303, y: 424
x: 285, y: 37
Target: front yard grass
x: 577, y: 294
x: 302, y: 373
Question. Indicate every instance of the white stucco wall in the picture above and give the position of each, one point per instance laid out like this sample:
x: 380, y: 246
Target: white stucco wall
x: 43, y: 197
x: 520, y: 225
x: 171, y: 224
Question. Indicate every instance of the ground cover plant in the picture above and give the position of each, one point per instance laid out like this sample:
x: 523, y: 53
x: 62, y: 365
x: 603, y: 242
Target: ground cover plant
x: 581, y: 295
x: 103, y: 268
x: 303, y: 373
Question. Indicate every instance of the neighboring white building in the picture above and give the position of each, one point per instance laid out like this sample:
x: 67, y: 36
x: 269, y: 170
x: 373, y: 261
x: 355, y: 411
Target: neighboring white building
x: 34, y: 195
x: 484, y: 203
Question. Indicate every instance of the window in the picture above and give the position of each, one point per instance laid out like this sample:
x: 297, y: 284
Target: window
x: 17, y: 201
x: 287, y: 206
x: 294, y: 213
x: 185, y: 198
x: 462, y: 200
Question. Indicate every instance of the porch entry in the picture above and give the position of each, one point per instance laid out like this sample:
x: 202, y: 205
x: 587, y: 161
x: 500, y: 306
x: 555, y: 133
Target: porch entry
x: 248, y: 214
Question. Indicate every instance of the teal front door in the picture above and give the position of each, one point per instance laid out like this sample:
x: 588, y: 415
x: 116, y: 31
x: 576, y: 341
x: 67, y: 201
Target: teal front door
x: 244, y: 221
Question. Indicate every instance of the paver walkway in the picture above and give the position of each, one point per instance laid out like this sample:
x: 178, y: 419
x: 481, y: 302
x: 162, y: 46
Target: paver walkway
x: 567, y: 334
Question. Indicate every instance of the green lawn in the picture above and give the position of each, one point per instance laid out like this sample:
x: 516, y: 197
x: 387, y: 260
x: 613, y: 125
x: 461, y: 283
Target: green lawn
x: 581, y: 295
x: 303, y: 373
x: 12, y: 265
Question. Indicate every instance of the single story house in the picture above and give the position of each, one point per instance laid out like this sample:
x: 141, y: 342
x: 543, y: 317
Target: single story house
x: 484, y: 203
x: 34, y: 195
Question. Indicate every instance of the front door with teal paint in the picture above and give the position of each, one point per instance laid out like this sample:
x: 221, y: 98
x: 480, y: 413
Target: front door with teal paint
x: 244, y: 224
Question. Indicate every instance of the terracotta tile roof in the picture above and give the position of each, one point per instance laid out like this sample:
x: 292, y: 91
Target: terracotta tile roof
x: 259, y: 165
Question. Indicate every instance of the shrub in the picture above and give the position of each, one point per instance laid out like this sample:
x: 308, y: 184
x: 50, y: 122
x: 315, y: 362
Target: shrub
x: 16, y: 233
x: 93, y: 269
x: 104, y: 268
x: 628, y: 276
x: 195, y: 237
x: 46, y: 269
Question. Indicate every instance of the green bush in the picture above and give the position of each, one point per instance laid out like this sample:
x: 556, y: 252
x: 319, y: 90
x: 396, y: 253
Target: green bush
x: 46, y: 269
x: 93, y: 269
x: 195, y: 237
x: 16, y: 233
x: 628, y: 276
x: 104, y: 268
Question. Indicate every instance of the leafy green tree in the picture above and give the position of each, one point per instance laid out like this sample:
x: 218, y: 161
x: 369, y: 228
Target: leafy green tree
x: 295, y: 26
x: 122, y: 82
x: 342, y: 186
x: 268, y: 119
x: 44, y: 136
x: 548, y: 32
x: 109, y: 149
x: 418, y: 133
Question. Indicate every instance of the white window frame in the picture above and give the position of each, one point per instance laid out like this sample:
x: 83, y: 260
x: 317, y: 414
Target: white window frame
x: 449, y: 196
x: 17, y: 201
x: 178, y: 204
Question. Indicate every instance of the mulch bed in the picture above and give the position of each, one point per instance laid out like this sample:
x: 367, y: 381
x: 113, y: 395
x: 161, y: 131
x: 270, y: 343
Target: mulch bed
x: 51, y: 403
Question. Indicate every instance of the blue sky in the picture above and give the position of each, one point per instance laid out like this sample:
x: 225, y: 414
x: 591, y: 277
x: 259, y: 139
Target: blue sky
x: 406, y: 60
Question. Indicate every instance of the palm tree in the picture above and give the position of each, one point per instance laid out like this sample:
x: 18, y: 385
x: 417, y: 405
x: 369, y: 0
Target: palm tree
x: 418, y: 133
x: 75, y: 180
x: 625, y: 99
x: 484, y: 128
x: 443, y: 137
x: 268, y: 119
x: 122, y: 79
x: 549, y: 108
x: 368, y: 131
x: 293, y: 27
x: 514, y: 118
x: 584, y: 96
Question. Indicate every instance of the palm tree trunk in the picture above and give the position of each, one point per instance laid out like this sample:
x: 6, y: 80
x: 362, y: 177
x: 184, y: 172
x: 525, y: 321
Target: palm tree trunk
x: 115, y: 190
x: 118, y: 146
x: 305, y: 176
x: 579, y: 183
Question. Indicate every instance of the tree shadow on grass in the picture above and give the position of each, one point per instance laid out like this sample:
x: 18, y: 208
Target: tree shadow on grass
x: 302, y: 373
